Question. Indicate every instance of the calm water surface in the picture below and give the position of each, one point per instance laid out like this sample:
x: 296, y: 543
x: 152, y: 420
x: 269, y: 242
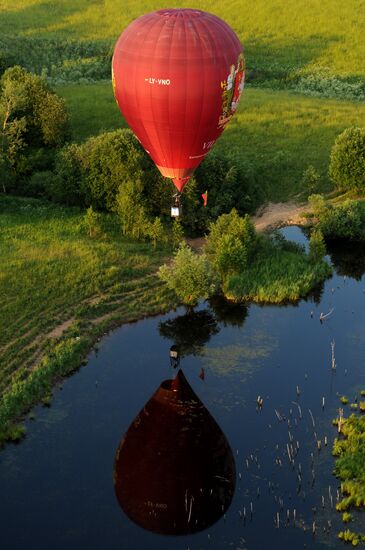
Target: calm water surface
x: 57, y: 488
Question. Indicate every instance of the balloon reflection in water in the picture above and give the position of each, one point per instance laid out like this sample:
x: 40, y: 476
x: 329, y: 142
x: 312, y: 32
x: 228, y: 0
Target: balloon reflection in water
x: 174, y: 471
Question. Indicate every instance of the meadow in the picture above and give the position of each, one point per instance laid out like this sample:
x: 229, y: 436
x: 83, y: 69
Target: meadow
x: 279, y: 36
x: 59, y: 285
x: 275, y: 134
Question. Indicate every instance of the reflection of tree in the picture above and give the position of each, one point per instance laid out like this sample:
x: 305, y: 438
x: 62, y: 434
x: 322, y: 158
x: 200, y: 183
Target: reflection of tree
x: 315, y: 295
x: 348, y: 258
x: 190, y: 332
x: 228, y: 313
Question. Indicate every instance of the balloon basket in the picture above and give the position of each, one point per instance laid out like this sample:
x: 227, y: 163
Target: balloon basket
x: 175, y: 211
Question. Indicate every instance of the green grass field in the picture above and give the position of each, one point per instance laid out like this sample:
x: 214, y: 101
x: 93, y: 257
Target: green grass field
x: 299, y: 34
x: 276, y: 134
x: 53, y: 273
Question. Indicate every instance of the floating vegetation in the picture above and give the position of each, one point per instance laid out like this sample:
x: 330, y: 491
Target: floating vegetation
x: 350, y: 536
x: 344, y: 400
x: 350, y: 468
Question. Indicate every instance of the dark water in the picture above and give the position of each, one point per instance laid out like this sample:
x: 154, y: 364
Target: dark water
x: 56, y: 487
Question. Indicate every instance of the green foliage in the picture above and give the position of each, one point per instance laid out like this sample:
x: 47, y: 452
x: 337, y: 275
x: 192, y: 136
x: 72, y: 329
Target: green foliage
x: 350, y: 453
x: 346, y: 517
x: 271, y: 141
x: 262, y: 269
x: 347, y: 164
x: 190, y: 276
x: 320, y: 206
x: 60, y: 60
x: 66, y: 276
x: 27, y: 101
x: 346, y: 221
x: 231, y: 242
x: 177, y: 233
x: 276, y: 276
x: 156, y: 232
x: 344, y: 400
x: 317, y: 246
x: 131, y: 213
x: 350, y: 536
x: 311, y: 180
x: 110, y: 172
x: 108, y: 162
x: 33, y: 121
x: 92, y: 222
x: 319, y: 82
x: 230, y: 184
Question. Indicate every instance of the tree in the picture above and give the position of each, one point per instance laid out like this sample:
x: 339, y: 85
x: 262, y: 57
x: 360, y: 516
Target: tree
x: 190, y: 276
x: 177, y: 233
x: 231, y: 242
x: 310, y: 180
x: 347, y: 163
x: 131, y: 212
x: 32, y: 117
x: 156, y: 232
x: 92, y: 222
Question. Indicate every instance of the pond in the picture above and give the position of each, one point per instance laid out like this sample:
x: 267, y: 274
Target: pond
x: 203, y: 464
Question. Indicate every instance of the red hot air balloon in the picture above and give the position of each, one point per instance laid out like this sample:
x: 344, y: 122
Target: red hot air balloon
x: 178, y: 75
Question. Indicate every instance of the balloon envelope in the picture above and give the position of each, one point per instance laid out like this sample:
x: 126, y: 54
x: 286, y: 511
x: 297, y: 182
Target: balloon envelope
x: 178, y: 75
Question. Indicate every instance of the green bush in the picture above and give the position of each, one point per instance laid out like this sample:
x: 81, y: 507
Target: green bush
x: 346, y: 221
x: 231, y: 242
x: 311, y: 180
x: 190, y: 276
x: 33, y: 124
x: 347, y: 163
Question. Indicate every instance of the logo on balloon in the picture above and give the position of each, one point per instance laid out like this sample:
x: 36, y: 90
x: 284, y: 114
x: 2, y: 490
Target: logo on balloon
x: 232, y: 89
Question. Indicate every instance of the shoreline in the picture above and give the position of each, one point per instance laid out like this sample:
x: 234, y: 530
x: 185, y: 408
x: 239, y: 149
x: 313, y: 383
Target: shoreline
x: 74, y: 339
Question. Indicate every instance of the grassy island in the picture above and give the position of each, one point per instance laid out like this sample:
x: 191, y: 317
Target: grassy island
x: 277, y: 274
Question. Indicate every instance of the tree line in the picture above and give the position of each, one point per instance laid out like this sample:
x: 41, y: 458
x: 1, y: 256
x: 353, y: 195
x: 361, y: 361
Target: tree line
x: 111, y: 172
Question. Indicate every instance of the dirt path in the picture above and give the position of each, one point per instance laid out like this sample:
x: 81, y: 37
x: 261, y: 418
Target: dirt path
x: 274, y: 215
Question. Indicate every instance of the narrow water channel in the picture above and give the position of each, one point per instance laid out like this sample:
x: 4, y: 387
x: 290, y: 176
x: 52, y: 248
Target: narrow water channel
x: 263, y: 480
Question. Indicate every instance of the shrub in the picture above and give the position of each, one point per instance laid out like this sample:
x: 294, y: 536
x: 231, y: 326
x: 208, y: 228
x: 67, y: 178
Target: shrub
x: 347, y: 163
x: 177, y: 233
x: 311, y: 180
x: 346, y: 221
x: 92, y: 222
x: 231, y: 242
x: 156, y: 232
x: 190, y: 276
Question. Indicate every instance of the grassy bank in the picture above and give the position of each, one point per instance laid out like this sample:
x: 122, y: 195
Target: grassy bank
x: 60, y: 289
x: 276, y: 274
x: 275, y: 135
